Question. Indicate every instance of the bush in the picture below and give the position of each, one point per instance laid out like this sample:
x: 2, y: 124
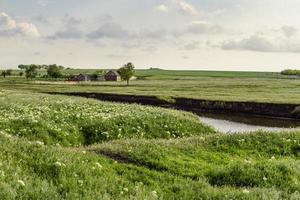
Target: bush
x: 291, y: 72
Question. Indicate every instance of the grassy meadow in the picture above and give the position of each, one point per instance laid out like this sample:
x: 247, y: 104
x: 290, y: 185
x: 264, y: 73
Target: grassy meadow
x: 66, y: 121
x: 60, y: 147
x: 217, y: 167
x: 226, y: 86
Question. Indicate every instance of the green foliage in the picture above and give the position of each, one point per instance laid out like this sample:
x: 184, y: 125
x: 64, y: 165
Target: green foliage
x: 31, y: 170
x: 127, y: 72
x: 54, y: 71
x: 95, y: 75
x: 291, y: 72
x: 76, y: 121
x: 9, y: 72
x: 5, y: 73
x: 31, y: 71
x: 242, y: 162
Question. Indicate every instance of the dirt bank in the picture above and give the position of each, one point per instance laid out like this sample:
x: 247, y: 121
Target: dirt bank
x: 253, y: 108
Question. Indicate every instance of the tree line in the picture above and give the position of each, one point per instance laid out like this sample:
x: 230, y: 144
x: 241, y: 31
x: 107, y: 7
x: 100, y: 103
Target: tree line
x: 31, y: 71
x: 290, y: 72
x: 53, y: 71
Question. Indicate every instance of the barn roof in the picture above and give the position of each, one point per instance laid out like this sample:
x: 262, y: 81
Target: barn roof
x: 113, y: 72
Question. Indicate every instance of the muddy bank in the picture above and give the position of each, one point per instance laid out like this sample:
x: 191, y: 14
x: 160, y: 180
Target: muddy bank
x: 252, y: 108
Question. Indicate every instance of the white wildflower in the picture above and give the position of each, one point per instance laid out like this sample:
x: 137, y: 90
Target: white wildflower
x: 2, y: 173
x: 273, y: 158
x: 21, y: 183
x: 265, y: 179
x: 154, y: 194
x: 98, y: 165
x: 248, y: 161
x: 245, y: 191
x: 40, y: 143
x: 58, y: 164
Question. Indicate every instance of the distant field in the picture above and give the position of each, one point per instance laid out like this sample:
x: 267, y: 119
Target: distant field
x: 227, y: 86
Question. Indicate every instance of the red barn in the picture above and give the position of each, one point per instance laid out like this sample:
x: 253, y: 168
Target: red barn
x: 112, y: 76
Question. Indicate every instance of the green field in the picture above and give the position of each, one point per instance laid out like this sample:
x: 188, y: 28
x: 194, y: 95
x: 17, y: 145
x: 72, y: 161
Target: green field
x: 60, y: 147
x: 75, y: 121
x: 227, y: 86
x: 137, y: 152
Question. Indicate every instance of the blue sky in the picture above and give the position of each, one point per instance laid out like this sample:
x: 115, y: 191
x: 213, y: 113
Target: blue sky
x: 247, y: 35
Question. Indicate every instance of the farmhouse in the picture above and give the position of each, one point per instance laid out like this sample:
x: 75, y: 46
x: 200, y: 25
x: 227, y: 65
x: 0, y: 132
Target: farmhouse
x: 81, y: 77
x: 112, y: 76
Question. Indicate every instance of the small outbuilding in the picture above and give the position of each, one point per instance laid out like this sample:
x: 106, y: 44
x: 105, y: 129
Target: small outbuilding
x: 81, y: 77
x: 112, y: 76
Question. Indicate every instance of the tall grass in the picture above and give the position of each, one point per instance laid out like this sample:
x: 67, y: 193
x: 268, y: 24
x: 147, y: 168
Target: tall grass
x: 77, y: 121
x: 243, y: 162
x: 30, y: 170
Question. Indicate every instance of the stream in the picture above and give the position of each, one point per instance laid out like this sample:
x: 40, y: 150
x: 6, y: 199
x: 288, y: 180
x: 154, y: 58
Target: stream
x: 232, y: 123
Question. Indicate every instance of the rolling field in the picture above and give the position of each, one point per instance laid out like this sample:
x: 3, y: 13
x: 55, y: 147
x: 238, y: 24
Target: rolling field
x: 60, y: 147
x: 225, y: 86
x: 137, y: 152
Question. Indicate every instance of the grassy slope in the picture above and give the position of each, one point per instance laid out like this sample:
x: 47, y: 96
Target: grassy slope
x: 260, y: 160
x: 29, y: 170
x: 228, y: 86
x: 32, y: 171
x: 76, y: 121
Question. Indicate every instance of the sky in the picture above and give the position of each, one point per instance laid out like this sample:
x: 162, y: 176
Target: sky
x: 239, y: 35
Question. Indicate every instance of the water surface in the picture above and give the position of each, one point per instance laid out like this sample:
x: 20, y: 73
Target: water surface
x: 231, y: 123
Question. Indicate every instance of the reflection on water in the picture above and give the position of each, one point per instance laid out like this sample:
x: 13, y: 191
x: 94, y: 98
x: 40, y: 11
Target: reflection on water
x: 231, y: 123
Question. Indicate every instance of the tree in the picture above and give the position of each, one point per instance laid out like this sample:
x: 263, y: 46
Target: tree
x: 21, y: 73
x: 9, y: 72
x: 31, y: 71
x: 126, y: 72
x: 6, y: 73
x: 22, y: 67
x: 3, y: 73
x: 54, y: 71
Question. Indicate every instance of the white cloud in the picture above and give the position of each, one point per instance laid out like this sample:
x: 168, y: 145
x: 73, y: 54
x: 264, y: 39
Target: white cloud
x: 204, y: 27
x: 162, y: 8
x: 253, y: 43
x: 43, y: 3
x: 109, y: 30
x: 264, y: 43
x: 289, y: 31
x: 185, y: 7
x: 11, y: 27
x: 70, y: 30
x: 68, y: 33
